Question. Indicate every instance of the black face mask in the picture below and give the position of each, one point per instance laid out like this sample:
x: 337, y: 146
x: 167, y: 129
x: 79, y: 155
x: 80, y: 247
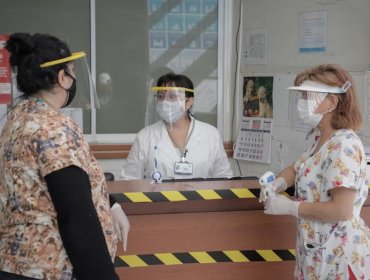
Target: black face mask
x: 71, y: 91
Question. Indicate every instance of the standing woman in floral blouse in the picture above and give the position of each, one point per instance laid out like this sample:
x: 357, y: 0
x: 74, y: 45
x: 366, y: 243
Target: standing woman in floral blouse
x: 330, y: 180
x: 55, y: 218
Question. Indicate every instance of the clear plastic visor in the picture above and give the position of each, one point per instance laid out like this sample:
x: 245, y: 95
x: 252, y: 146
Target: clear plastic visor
x: 308, y: 100
x: 78, y: 68
x: 85, y: 99
x: 166, y: 103
x: 171, y: 94
x: 313, y: 98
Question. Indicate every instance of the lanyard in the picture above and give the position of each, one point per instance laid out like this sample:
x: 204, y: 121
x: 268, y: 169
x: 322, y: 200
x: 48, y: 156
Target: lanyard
x: 183, y: 150
x: 156, y: 175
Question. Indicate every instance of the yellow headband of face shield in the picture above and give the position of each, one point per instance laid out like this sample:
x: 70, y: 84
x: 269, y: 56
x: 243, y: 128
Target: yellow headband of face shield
x: 74, y: 56
x: 155, y: 89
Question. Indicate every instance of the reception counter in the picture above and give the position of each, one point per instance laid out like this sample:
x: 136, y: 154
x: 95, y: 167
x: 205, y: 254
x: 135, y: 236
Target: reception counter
x: 203, y: 230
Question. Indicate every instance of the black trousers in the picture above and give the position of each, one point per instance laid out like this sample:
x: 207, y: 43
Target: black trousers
x: 11, y: 276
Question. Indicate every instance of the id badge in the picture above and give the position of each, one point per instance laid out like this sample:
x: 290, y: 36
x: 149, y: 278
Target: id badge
x: 184, y: 168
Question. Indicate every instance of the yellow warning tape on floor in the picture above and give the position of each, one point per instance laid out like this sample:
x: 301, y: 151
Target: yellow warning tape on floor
x: 205, y: 257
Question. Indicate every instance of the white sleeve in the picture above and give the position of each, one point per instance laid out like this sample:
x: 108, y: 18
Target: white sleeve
x: 221, y: 165
x: 133, y: 167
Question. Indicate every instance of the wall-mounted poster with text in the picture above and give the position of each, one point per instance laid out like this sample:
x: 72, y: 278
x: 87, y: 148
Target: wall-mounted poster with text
x: 5, y: 73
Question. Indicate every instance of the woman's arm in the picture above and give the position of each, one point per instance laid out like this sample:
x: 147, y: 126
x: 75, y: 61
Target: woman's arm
x: 288, y: 173
x: 339, y: 208
x: 79, y: 225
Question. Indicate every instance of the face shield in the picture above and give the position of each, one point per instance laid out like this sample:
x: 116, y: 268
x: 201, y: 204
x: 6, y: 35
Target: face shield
x: 85, y: 99
x: 307, y: 97
x: 166, y: 103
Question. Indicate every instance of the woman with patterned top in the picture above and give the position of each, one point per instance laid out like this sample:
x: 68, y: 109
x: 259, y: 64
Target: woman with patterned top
x: 55, y: 217
x: 331, y: 185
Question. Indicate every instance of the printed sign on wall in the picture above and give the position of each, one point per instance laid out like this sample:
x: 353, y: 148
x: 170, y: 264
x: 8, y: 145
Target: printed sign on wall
x: 5, y: 73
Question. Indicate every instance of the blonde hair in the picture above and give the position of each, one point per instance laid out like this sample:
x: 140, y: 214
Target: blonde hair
x: 347, y: 114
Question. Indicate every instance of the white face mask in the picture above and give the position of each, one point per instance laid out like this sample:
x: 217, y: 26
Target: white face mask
x: 306, y: 114
x: 169, y: 111
x: 307, y: 107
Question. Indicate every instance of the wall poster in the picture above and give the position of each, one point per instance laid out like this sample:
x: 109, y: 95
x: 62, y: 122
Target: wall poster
x: 254, y: 139
x: 5, y: 73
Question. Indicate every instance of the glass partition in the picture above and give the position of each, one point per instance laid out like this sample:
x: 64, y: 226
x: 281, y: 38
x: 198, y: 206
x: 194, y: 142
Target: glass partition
x: 68, y: 20
x: 138, y: 41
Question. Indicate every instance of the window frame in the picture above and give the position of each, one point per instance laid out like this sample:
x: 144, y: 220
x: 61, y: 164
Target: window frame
x: 224, y: 83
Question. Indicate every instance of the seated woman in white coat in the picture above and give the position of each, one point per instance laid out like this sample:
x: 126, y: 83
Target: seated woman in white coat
x: 177, y: 146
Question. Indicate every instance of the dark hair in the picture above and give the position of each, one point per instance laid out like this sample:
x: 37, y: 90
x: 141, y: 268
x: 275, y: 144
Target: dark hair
x: 177, y: 80
x: 27, y: 52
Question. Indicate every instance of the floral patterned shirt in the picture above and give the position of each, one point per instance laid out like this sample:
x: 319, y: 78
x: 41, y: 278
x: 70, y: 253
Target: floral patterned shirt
x: 35, y: 141
x: 326, y: 250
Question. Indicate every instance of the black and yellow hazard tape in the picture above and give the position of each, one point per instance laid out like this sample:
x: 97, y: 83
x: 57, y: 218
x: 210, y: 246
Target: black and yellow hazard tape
x: 166, y: 196
x: 205, y: 257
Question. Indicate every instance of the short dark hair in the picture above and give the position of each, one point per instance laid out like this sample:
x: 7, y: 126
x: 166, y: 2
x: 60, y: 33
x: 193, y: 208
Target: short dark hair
x: 177, y: 80
x: 27, y: 52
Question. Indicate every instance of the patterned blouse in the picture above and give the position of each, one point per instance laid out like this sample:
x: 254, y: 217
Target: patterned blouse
x: 35, y: 141
x: 326, y: 250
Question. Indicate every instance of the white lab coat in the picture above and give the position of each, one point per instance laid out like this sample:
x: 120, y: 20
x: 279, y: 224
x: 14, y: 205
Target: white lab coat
x: 205, y: 151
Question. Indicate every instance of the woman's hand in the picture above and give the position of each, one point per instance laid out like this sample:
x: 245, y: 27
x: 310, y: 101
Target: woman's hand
x: 121, y: 224
x: 281, y: 205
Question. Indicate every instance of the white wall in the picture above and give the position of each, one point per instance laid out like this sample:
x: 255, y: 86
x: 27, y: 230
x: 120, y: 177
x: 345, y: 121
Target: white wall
x: 347, y: 35
x: 348, y: 44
